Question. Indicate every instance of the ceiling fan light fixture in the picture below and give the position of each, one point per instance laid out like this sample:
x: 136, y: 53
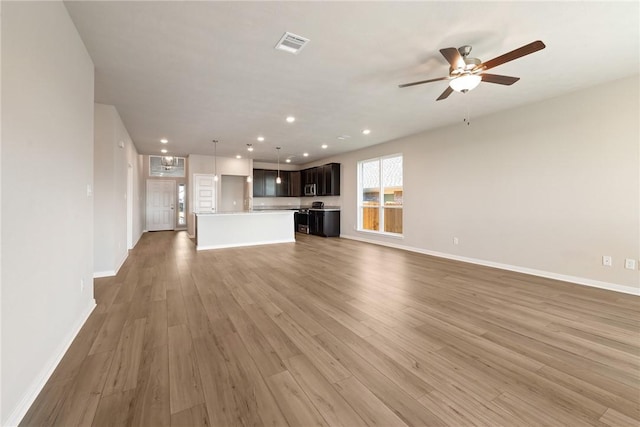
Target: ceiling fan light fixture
x: 465, y: 82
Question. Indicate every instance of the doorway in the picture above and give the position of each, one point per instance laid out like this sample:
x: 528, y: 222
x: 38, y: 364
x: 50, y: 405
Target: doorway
x: 160, y: 204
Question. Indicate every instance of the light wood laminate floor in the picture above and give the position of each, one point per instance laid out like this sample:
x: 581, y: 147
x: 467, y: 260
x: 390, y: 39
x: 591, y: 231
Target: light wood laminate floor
x: 333, y: 332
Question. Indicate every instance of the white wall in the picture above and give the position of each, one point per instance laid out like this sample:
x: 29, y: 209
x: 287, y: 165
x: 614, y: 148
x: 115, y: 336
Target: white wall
x: 114, y: 154
x: 47, y: 215
x: 549, y: 187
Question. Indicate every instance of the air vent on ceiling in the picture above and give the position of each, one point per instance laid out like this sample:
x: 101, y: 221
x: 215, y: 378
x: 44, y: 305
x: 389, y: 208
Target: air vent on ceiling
x: 291, y: 43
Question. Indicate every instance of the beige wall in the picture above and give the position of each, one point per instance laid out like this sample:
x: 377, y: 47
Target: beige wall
x: 548, y: 188
x: 47, y: 214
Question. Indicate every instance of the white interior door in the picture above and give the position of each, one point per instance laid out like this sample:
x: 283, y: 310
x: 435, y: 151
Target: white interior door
x: 204, y: 193
x: 160, y: 205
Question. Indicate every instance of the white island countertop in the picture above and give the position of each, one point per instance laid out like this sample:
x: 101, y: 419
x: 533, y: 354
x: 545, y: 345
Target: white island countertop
x: 246, y: 228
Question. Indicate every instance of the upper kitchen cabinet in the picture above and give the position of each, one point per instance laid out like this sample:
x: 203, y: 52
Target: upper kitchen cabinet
x: 309, y: 176
x: 328, y: 180
x: 282, y: 189
x: 270, y: 183
x: 295, y: 184
x: 264, y: 183
x: 258, y: 183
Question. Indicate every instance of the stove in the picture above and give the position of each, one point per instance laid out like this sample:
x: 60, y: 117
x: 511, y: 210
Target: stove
x: 302, y: 217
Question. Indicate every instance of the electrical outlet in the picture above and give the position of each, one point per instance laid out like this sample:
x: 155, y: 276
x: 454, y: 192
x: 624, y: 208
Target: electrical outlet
x: 455, y: 241
x: 81, y: 285
x: 630, y: 264
x: 607, y: 261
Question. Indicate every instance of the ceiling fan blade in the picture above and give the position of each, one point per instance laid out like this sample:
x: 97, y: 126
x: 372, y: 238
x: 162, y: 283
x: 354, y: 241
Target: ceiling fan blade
x: 501, y: 80
x: 514, y: 54
x: 454, y: 58
x: 423, y: 81
x: 448, y: 91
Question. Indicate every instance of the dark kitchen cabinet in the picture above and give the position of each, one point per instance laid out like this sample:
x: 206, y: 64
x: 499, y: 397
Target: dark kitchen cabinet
x: 295, y: 184
x: 324, y: 223
x: 309, y: 176
x: 282, y: 189
x: 328, y: 180
x: 270, y: 183
x: 264, y: 183
x: 258, y: 183
x: 331, y: 178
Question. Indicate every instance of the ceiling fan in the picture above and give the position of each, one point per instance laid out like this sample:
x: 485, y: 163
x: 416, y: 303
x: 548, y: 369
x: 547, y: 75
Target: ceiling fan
x: 466, y: 73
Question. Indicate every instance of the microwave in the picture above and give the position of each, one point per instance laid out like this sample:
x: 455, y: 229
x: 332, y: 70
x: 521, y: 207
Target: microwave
x: 310, y: 190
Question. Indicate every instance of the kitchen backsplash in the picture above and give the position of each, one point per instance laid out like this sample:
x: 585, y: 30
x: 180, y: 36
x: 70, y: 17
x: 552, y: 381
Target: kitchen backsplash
x: 294, y: 202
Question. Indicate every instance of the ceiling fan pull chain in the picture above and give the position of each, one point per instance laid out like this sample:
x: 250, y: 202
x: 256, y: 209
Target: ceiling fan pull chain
x: 467, y: 119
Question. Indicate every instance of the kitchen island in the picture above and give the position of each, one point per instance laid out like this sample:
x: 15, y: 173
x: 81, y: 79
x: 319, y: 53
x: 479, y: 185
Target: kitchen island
x: 233, y: 229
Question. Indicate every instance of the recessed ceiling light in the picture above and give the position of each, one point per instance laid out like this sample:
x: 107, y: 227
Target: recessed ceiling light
x: 366, y: 131
x: 261, y: 138
x: 305, y: 154
x: 249, y: 147
x: 324, y: 146
x: 343, y: 137
x: 163, y: 151
x: 238, y: 156
x: 291, y: 119
x: 288, y: 160
x: 164, y: 141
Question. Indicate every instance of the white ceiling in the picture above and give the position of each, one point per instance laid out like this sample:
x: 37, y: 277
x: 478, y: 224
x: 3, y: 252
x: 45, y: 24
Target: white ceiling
x: 196, y: 71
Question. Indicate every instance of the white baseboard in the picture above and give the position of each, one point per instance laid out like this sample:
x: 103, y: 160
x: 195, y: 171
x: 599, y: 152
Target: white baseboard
x: 38, y: 384
x: 111, y: 273
x: 124, y: 258
x: 108, y: 273
x: 136, y: 241
x: 540, y: 273
x: 237, y: 245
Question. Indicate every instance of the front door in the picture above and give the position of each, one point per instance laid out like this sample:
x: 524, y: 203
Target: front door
x: 160, y: 205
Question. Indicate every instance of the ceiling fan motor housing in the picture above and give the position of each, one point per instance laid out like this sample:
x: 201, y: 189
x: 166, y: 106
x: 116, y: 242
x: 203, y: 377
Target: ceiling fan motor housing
x: 471, y: 64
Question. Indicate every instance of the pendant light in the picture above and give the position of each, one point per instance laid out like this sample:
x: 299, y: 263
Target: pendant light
x: 278, y: 179
x: 168, y: 162
x: 215, y: 159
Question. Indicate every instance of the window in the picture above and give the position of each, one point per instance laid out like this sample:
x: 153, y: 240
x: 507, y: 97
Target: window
x: 380, y: 195
x: 182, y: 205
x: 166, y: 166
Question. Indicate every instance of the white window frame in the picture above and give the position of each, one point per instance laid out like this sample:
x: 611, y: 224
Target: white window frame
x: 360, y: 200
